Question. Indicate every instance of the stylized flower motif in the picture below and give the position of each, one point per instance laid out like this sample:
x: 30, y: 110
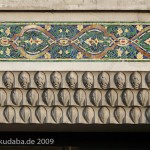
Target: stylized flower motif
x: 119, y: 31
x: 37, y: 41
x: 1, y: 30
x: 47, y: 27
x: 89, y: 41
x: 126, y: 30
x: 96, y: 41
x: 67, y: 30
x: 126, y: 52
x: 79, y: 27
x: 8, y: 31
x: 60, y: 30
x: 67, y: 52
x: 60, y: 52
x: 47, y: 55
x: 147, y: 41
x: 8, y: 51
x: 119, y: 52
x: 139, y: 56
x: 79, y: 55
x: 1, y: 52
x: 139, y: 27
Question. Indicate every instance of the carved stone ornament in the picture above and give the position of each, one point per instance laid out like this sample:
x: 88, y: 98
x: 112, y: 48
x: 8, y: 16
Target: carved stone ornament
x: 73, y: 97
x: 111, y: 97
x: 24, y: 79
x: 120, y: 80
x: 135, y: 114
x: 127, y: 97
x: 3, y: 97
x: 80, y: 97
x: 40, y: 79
x: 16, y: 96
x: 9, y: 114
x: 104, y: 115
x: 72, y: 114
x: 25, y: 114
x: 143, y: 97
x: 88, y: 80
x: 120, y: 115
x: 72, y: 79
x: 88, y: 114
x: 147, y: 79
x: 64, y: 97
x: 135, y: 80
x: 96, y: 97
x: 32, y: 97
x: 41, y: 114
x: 104, y: 80
x: 56, y: 79
x: 8, y: 79
x: 147, y: 113
x: 57, y: 114
x: 48, y: 97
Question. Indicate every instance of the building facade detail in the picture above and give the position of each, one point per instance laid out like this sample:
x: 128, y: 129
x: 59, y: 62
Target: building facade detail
x: 74, y: 41
x: 75, y: 97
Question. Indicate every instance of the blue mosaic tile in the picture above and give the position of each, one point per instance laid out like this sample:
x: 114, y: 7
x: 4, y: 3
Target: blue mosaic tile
x: 74, y: 41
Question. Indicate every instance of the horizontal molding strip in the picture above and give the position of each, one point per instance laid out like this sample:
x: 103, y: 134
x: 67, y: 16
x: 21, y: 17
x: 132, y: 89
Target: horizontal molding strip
x: 75, y: 115
x: 74, y: 5
x: 74, y: 41
x: 75, y: 66
x: 74, y: 16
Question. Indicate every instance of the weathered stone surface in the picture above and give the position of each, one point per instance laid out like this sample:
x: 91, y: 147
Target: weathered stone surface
x: 73, y: 16
x: 49, y: 98
x: 75, y: 66
x: 75, y: 5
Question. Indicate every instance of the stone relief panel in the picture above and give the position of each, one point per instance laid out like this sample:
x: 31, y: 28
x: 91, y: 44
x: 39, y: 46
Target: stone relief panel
x: 24, y: 79
x: 72, y: 79
x: 8, y: 79
x: 73, y: 115
x: 120, y: 80
x: 75, y: 97
x: 104, y: 80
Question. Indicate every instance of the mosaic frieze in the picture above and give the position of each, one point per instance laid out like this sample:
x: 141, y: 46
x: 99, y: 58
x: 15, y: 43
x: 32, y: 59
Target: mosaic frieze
x: 74, y: 41
x: 75, y: 97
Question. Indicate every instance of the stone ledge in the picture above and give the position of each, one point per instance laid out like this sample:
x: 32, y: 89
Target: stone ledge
x: 74, y: 66
x: 75, y: 16
x: 74, y: 5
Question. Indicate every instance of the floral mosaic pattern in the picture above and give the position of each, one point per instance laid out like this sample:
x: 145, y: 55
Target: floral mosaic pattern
x: 75, y: 41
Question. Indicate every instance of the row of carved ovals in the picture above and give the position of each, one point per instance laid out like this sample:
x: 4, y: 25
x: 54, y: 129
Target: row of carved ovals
x: 78, y: 97
x: 88, y: 80
x: 88, y: 115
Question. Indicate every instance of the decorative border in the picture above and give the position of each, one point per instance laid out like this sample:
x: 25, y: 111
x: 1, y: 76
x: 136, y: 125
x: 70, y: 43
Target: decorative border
x: 74, y: 41
x: 75, y: 97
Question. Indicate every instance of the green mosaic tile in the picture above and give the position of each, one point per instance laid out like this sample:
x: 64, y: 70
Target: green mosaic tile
x: 74, y: 41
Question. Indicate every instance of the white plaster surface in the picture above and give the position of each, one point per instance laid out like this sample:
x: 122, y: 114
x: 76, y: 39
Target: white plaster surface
x: 74, y: 66
x: 74, y: 4
x: 79, y: 16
